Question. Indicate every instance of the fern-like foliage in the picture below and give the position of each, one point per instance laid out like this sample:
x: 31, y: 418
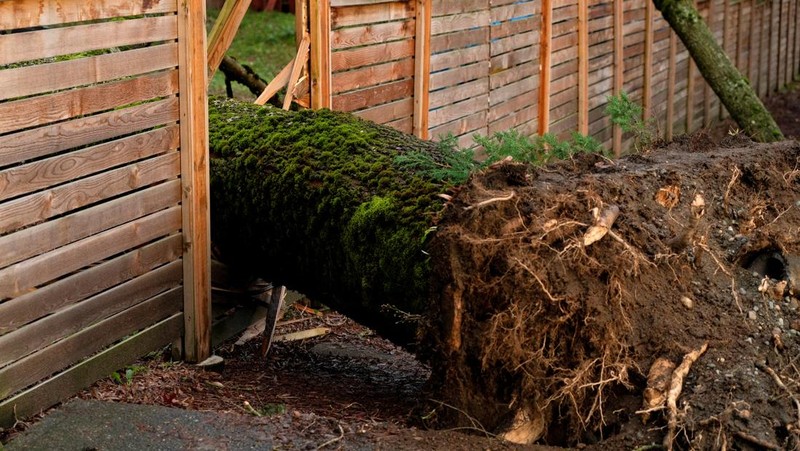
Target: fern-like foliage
x: 457, y: 164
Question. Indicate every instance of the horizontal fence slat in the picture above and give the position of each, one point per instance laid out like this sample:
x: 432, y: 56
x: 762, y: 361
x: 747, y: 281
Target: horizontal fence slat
x: 368, y: 76
x: 50, y: 235
x: 26, y: 14
x: 459, y: 57
x: 65, y: 384
x: 460, y: 39
x: 50, y: 139
x: 458, y: 22
x: 461, y: 126
x: 39, y: 303
x: 88, y: 341
x: 41, y: 110
x: 373, y: 54
x: 372, y: 34
x: 65, y: 322
x: 52, y: 171
x: 388, y: 112
x: 341, y: 3
x: 459, y: 92
x: 43, y: 205
x: 371, y: 13
x: 459, y: 75
x: 39, y: 44
x: 30, y: 80
x: 457, y: 110
x: 28, y: 274
x: 376, y: 95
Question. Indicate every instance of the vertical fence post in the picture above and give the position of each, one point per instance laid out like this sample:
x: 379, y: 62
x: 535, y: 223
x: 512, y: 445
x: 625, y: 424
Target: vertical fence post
x: 194, y: 177
x: 673, y: 44
x: 796, y: 24
x: 422, y: 68
x: 320, y: 15
x: 707, y: 92
x: 545, y: 41
x: 619, y: 73
x: 583, y: 66
x: 647, y: 75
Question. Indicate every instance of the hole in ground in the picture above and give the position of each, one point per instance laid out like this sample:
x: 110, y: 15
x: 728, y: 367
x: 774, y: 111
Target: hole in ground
x: 767, y: 263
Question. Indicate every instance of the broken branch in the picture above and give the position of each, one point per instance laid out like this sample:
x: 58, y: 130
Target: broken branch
x: 602, y: 224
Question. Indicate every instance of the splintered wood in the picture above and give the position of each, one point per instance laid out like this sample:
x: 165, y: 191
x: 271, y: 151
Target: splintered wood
x: 602, y: 224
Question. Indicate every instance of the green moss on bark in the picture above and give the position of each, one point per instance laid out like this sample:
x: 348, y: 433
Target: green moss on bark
x: 314, y: 200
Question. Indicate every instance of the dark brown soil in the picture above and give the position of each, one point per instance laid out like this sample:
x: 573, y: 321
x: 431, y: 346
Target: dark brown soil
x: 533, y: 321
x: 564, y: 332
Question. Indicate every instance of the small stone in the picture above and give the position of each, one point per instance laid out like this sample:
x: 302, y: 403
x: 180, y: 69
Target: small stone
x: 751, y: 315
x: 721, y: 360
x: 687, y: 302
x: 796, y: 324
x: 756, y: 275
x: 749, y: 340
x: 793, y: 304
x: 780, y: 322
x: 755, y: 308
x: 742, y: 291
x: 776, y: 331
x: 771, y: 305
x: 711, y: 365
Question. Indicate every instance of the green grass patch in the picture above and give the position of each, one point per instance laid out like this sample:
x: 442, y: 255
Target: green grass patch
x: 265, y: 42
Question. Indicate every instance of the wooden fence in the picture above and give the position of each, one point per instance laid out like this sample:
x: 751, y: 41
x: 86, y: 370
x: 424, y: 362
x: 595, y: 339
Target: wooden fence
x: 434, y: 67
x: 103, y: 191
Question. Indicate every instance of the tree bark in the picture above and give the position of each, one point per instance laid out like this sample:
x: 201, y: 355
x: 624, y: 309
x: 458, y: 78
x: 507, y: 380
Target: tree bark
x: 314, y: 201
x: 728, y: 83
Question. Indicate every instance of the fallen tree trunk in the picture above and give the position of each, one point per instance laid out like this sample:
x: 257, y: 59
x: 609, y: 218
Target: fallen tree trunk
x: 315, y: 201
x: 536, y: 326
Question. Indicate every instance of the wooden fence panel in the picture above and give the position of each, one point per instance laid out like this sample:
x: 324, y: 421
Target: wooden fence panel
x: 516, y: 33
x: 459, y: 69
x: 547, y: 65
x: 367, y: 80
x: 103, y: 191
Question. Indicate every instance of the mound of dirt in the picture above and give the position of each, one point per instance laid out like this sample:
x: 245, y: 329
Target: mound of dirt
x: 561, y: 287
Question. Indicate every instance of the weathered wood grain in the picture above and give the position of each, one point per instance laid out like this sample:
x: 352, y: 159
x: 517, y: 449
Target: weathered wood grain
x: 33, y: 208
x: 65, y: 384
x: 16, y: 14
x: 43, y: 301
x: 85, y: 71
x: 88, y: 341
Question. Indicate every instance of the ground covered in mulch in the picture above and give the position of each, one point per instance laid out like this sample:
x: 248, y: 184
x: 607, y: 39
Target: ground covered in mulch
x: 550, y: 336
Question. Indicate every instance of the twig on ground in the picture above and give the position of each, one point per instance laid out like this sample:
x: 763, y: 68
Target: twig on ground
x: 675, y: 388
x: 333, y: 440
x: 782, y: 386
x: 476, y: 425
x: 251, y: 410
x: 756, y: 441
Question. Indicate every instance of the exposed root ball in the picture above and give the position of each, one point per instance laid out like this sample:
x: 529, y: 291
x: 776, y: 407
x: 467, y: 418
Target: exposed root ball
x: 535, y: 321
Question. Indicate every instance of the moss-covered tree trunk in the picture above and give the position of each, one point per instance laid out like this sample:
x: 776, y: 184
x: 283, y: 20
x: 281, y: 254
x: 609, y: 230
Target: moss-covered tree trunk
x: 314, y: 201
x: 727, y: 82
